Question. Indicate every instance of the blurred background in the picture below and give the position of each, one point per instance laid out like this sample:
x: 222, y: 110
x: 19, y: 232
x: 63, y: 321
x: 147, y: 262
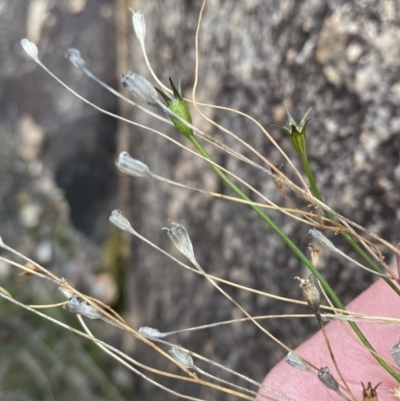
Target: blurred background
x: 59, y: 184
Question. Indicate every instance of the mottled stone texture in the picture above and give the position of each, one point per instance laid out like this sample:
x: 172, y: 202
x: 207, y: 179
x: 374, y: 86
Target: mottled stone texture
x: 341, y: 58
x: 261, y: 57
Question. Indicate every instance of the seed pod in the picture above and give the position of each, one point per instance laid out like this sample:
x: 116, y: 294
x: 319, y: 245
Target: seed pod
x: 177, y: 105
x: 319, y: 240
x: 140, y: 88
x: 325, y: 376
x: 310, y: 293
x: 31, y: 49
x: 180, y: 238
x: 150, y: 332
x: 79, y: 306
x: 182, y: 357
x: 296, y: 362
x: 370, y: 393
x: 131, y: 166
x: 120, y: 221
x: 139, y: 25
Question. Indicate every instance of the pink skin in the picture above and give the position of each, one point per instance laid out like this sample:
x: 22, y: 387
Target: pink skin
x: 356, y: 364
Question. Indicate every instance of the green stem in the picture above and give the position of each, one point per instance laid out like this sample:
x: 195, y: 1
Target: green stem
x: 295, y: 249
x: 350, y: 240
x: 346, y: 236
x: 264, y: 217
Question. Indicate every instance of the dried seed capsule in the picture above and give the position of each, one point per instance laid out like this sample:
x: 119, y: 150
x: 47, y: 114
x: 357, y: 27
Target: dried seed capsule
x: 319, y: 239
x: 120, y: 221
x: 30, y: 48
x: 370, y: 393
x: 310, y: 293
x: 139, y: 25
x: 180, y: 238
x: 141, y: 88
x: 182, y: 357
x: 325, y: 376
x: 296, y: 362
x: 131, y: 166
x: 150, y: 332
x: 79, y: 306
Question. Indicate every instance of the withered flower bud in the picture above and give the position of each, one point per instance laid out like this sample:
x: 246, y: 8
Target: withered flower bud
x: 275, y: 178
x: 314, y: 253
x: 310, y: 293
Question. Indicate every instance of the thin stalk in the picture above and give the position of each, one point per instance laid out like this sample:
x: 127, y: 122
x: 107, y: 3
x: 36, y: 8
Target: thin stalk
x: 346, y: 236
x: 317, y: 194
x: 295, y: 249
x: 272, y: 225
